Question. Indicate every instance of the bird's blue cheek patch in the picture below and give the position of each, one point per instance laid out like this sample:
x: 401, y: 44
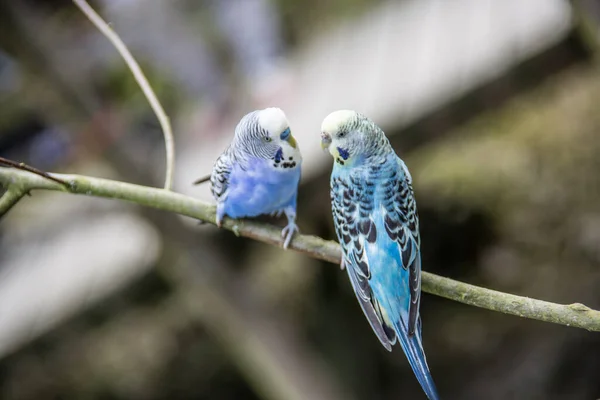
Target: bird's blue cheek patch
x: 279, y: 155
x: 343, y: 153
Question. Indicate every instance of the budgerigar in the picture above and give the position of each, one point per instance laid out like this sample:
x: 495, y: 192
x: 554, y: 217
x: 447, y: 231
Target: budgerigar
x: 377, y: 225
x: 259, y: 172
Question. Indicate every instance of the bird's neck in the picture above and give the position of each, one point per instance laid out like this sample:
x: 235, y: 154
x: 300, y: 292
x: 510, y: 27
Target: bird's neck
x: 365, y: 160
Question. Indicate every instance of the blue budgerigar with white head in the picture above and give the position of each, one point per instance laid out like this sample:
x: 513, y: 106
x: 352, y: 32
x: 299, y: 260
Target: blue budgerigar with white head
x: 259, y: 172
x: 377, y: 225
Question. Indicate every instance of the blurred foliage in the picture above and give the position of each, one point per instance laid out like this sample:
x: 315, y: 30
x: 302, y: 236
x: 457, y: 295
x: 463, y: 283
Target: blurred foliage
x: 532, y: 143
x: 530, y: 168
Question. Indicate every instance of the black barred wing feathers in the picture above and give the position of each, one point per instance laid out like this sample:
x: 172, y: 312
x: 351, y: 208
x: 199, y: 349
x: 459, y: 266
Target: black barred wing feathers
x: 401, y: 223
x: 351, y: 207
x: 219, y: 178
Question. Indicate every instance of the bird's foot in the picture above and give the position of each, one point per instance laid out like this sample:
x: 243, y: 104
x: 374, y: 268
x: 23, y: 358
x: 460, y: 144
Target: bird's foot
x: 276, y: 213
x: 343, y: 264
x: 220, y: 214
x: 288, y: 232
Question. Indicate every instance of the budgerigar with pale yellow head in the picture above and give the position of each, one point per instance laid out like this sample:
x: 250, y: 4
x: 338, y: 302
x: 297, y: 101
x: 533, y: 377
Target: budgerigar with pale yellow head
x: 259, y: 172
x: 376, y: 222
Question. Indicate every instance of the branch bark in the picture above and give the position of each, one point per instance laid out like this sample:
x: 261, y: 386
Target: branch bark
x: 575, y: 315
x: 10, y: 198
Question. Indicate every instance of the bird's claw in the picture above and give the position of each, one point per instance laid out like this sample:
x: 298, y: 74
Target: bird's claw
x: 219, y: 215
x: 288, y: 232
x: 276, y: 213
x: 343, y: 264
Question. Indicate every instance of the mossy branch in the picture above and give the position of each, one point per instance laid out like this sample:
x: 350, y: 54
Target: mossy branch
x: 10, y: 198
x: 20, y: 182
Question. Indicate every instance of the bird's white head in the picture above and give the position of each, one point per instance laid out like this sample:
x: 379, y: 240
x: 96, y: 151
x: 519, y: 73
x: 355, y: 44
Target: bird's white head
x: 337, y: 120
x: 266, y: 134
x: 350, y: 136
x: 275, y: 125
x: 336, y: 132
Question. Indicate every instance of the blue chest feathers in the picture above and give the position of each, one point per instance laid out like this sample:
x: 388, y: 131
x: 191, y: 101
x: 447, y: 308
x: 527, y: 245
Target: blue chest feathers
x: 265, y: 186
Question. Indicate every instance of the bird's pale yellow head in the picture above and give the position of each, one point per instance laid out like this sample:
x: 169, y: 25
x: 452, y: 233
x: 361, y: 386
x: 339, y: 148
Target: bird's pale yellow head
x: 339, y: 134
x: 351, y: 137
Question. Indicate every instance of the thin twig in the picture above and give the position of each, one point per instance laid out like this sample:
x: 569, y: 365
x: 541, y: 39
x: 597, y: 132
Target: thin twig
x: 575, y: 315
x: 25, y: 167
x: 142, y: 81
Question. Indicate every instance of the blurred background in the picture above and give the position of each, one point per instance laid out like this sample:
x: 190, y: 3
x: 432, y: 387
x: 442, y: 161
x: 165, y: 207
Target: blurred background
x: 494, y: 106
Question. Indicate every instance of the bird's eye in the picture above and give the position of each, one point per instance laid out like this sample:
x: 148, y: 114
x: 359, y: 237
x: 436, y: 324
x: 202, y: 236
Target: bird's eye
x: 341, y: 134
x: 267, y: 138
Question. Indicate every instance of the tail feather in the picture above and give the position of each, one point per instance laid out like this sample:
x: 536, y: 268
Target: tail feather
x: 202, y: 180
x: 413, y: 348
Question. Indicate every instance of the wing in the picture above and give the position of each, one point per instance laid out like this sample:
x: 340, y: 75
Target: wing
x: 219, y: 179
x: 401, y: 223
x: 354, y: 227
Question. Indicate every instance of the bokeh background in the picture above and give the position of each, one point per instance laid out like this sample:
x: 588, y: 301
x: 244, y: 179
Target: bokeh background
x: 493, y: 104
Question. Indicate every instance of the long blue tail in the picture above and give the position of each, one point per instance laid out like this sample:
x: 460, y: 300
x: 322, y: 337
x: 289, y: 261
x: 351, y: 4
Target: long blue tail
x: 413, y: 349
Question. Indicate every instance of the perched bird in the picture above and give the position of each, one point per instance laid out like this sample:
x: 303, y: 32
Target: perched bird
x: 259, y: 172
x: 376, y: 222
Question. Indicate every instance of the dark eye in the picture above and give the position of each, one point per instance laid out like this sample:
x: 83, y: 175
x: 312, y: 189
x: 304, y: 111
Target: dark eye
x: 341, y: 134
x: 267, y: 138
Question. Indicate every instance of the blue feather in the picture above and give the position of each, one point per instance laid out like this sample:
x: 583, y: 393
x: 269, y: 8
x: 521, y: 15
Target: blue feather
x: 260, y: 190
x: 279, y: 155
x: 416, y: 358
x: 343, y: 153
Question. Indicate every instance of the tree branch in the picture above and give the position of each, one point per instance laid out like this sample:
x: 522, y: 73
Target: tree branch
x: 139, y: 76
x: 25, y: 167
x: 575, y: 315
x: 11, y: 197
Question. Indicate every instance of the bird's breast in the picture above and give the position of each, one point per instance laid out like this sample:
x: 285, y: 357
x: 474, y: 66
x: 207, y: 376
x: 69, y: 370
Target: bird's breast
x: 260, y: 189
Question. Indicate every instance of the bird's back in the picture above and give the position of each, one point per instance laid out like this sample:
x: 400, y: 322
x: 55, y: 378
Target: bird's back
x: 388, y: 278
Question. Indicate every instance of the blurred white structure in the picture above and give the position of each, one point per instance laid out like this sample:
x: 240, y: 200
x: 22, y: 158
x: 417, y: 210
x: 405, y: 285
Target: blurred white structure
x: 66, y: 258
x: 397, y: 64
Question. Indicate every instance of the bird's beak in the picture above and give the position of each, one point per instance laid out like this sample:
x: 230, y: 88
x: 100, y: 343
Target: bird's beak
x: 287, y: 136
x: 325, y: 140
